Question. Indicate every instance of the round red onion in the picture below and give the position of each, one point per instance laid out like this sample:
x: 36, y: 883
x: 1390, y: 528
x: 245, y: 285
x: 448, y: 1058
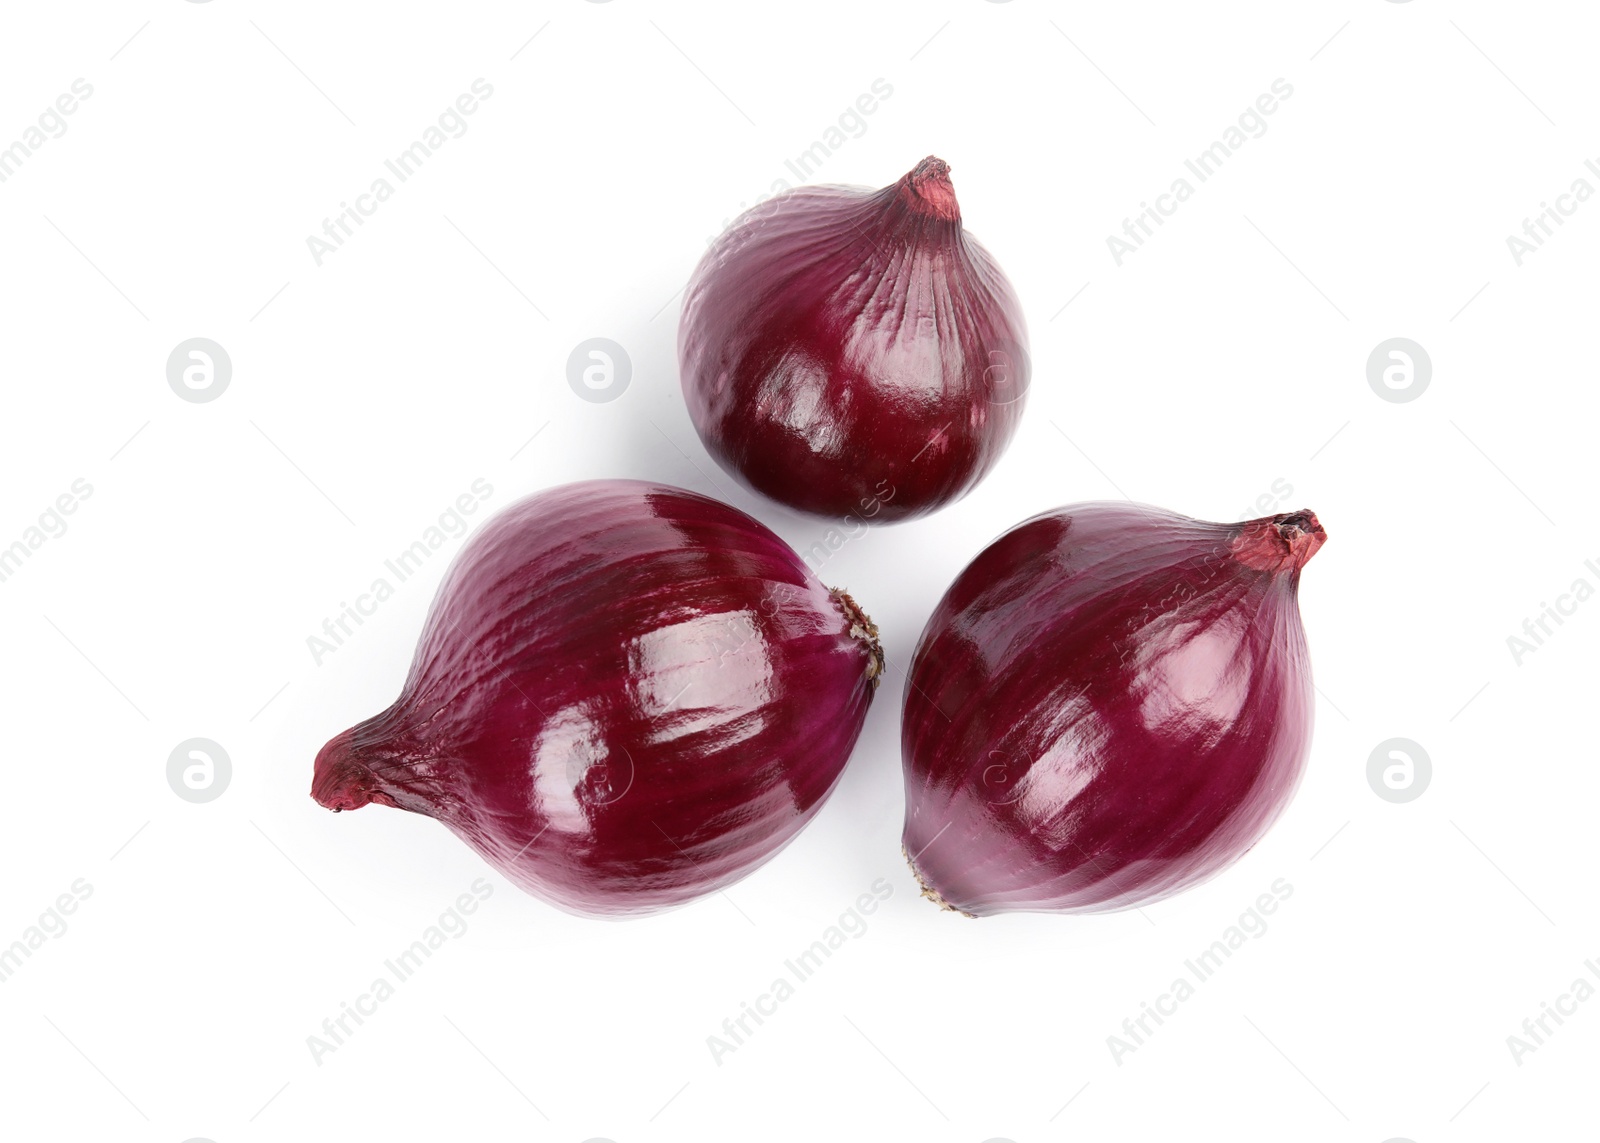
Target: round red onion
x: 1111, y: 704
x: 626, y: 696
x: 845, y: 350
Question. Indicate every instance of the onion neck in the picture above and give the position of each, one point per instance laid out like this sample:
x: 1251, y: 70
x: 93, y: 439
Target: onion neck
x: 921, y: 206
x: 371, y: 763
x: 926, y: 189
x: 340, y: 780
x: 1281, y: 543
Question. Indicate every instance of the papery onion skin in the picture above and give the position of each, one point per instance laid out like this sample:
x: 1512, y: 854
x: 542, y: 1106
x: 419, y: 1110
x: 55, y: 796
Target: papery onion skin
x: 855, y: 352
x: 626, y: 696
x: 1112, y: 703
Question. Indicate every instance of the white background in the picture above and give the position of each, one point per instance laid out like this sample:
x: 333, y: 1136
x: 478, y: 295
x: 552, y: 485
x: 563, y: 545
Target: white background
x: 368, y: 392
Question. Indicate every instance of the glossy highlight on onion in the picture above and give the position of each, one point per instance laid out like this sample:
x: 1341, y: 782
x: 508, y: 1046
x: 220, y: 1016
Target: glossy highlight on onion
x: 626, y: 696
x: 1111, y: 704
x: 845, y: 350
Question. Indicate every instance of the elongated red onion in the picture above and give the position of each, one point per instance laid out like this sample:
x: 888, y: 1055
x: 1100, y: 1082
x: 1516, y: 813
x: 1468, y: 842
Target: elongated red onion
x: 846, y: 350
x: 626, y: 696
x: 1111, y: 704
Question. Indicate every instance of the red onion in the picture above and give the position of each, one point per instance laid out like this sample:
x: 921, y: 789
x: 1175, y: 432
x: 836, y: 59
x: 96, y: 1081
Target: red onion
x: 837, y: 341
x: 1112, y: 703
x: 626, y: 696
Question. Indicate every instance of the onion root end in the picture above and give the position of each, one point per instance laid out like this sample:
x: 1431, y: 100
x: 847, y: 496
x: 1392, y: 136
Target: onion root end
x: 929, y: 891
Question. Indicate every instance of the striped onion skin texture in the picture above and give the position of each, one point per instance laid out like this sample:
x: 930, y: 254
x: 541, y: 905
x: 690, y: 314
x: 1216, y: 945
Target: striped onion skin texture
x: 847, y: 351
x: 1111, y: 704
x: 626, y: 696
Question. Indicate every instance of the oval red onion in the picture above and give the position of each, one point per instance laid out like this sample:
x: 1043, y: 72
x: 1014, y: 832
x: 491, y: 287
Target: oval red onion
x: 845, y: 350
x: 1111, y: 704
x: 626, y: 696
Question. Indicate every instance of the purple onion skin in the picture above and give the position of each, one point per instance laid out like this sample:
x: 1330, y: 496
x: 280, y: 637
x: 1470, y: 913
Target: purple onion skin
x: 626, y: 696
x: 847, y: 351
x: 1111, y: 704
